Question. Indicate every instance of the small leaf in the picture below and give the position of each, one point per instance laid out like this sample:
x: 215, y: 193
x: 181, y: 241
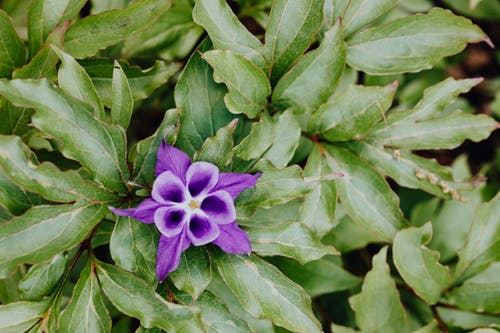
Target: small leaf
x: 360, y: 13
x: 12, y: 53
x: 194, y: 272
x: 86, y: 311
x: 418, y: 265
x: 137, y: 299
x: 20, y: 316
x: 257, y: 142
x: 122, y: 103
x: 378, y: 307
x: 412, y: 43
x: 266, y: 293
x: 247, y: 84
x: 42, y: 279
x: 218, y: 149
x: 313, y: 79
x: 291, y: 28
x: 95, y: 32
x: 286, y: 140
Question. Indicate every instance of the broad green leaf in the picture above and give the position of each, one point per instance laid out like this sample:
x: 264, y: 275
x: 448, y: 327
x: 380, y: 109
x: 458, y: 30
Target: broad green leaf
x: 225, y: 30
x: 275, y: 215
x: 45, y: 231
x: 14, y: 199
x: 483, y: 245
x: 266, y: 293
x: 485, y: 10
x: 352, y: 113
x: 318, y: 211
x: 17, y: 10
x: 102, y: 234
x: 313, y: 79
x: 14, y: 120
x: 285, y: 140
x: 122, y: 102
x: 99, y: 6
x: 365, y: 194
x: 95, y: 32
x: 12, y: 53
x: 318, y: 277
x: 20, y: 316
x: 257, y: 142
x: 466, y: 319
x: 420, y: 266
x: 217, y: 318
x: 342, y: 329
x: 8, y: 286
x: 432, y: 327
x: 21, y: 165
x: 97, y: 146
x: 137, y: 299
x: 42, y: 279
x: 194, y: 272
x: 378, y: 307
x: 360, y: 13
x: 274, y: 187
x: 133, y: 247
x: 86, y: 311
x: 74, y: 81
x: 218, y: 149
x: 412, y: 43
x: 291, y: 28
x: 293, y: 240
x: 248, y: 86
x: 480, y: 293
x: 202, y: 101
x: 142, y: 82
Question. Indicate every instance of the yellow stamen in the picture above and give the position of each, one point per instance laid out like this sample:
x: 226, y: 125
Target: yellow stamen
x: 194, y: 204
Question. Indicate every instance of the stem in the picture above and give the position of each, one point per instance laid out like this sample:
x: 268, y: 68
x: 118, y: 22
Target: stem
x: 441, y: 324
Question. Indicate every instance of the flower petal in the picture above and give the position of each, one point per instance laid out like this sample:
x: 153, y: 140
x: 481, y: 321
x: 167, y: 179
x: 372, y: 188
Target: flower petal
x: 233, y: 240
x: 201, y: 230
x: 144, y: 212
x: 171, y: 159
x: 169, y: 254
x: 201, y: 177
x: 168, y: 189
x: 170, y: 220
x: 235, y: 183
x: 219, y: 207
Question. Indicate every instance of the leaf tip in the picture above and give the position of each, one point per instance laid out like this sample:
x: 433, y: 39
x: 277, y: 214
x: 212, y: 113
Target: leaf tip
x: 488, y: 41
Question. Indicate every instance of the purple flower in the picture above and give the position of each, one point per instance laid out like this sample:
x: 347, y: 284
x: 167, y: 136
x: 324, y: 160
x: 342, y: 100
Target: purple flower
x: 191, y: 203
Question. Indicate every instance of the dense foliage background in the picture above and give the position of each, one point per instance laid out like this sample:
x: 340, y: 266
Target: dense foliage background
x: 370, y: 120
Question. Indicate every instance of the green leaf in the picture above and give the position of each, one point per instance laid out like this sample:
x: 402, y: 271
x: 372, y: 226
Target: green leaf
x: 142, y: 82
x: 480, y: 293
x: 218, y: 149
x: 286, y: 140
x: 266, y: 293
x: 21, y: 165
x: 318, y: 211
x: 293, y: 240
x: 257, y: 142
x: 133, y: 246
x: 95, y: 32
x: 353, y: 113
x: 360, y: 13
x: 20, y: 316
x: 291, y: 28
x: 217, y: 318
x: 202, y: 102
x: 97, y: 146
x: 122, y: 103
x: 45, y: 231
x: 42, y: 279
x: 318, y: 277
x: 74, y: 81
x: 420, y: 266
x: 483, y: 245
x: 432, y: 327
x: 44, y: 16
x: 412, y: 43
x: 365, y: 194
x: 8, y: 286
x: 137, y: 299
x: 86, y: 311
x: 467, y: 319
x: 274, y: 187
x: 313, y: 79
x: 12, y: 53
x: 378, y: 307
x: 248, y: 86
x: 14, y: 120
x: 194, y: 272
x: 225, y: 30
x: 14, y: 199
x: 342, y: 329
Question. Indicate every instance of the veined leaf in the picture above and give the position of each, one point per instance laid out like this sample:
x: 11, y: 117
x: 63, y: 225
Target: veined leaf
x: 360, y: 13
x: 256, y: 143
x: 93, y: 33
x: 285, y: 140
x: 14, y: 120
x: 12, y: 53
x: 86, y: 311
x: 266, y: 293
x: 20, y: 316
x: 412, y: 43
x: 194, y: 272
x: 248, y: 86
x: 14, y: 199
x: 218, y: 149
x: 97, y: 146
x: 122, y: 103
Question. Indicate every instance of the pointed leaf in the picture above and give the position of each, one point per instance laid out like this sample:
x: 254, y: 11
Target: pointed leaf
x: 12, y: 53
x: 122, y: 103
x: 42, y: 279
x: 20, y: 316
x: 194, y: 272
x: 360, y: 13
x: 218, y: 149
x: 286, y: 140
x: 256, y: 143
